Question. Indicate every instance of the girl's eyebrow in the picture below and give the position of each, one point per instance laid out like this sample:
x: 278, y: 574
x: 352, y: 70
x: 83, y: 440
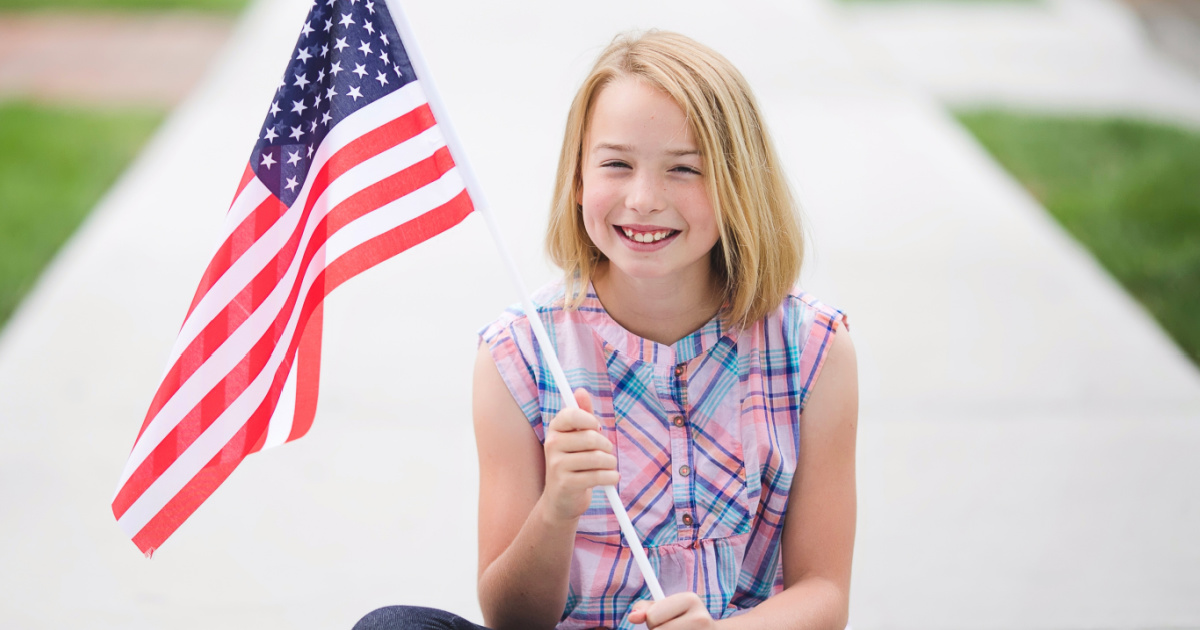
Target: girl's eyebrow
x: 625, y: 148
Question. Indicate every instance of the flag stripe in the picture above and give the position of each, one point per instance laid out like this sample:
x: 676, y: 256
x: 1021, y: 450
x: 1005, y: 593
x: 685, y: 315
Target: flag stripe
x: 227, y: 429
x: 354, y: 173
x: 191, y: 386
x: 267, y: 211
x: 416, y: 140
x: 228, y: 373
x: 344, y: 153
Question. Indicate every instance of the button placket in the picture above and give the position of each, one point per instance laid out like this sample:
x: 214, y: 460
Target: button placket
x: 681, y: 454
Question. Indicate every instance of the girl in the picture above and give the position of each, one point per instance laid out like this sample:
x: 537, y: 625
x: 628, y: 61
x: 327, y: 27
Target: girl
x: 720, y: 402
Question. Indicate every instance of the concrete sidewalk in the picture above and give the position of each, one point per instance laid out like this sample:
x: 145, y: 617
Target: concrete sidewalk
x: 1026, y: 450
x: 1073, y: 56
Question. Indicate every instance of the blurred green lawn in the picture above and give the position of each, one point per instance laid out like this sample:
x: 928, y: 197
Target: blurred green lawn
x: 55, y: 163
x: 226, y: 6
x: 1128, y: 190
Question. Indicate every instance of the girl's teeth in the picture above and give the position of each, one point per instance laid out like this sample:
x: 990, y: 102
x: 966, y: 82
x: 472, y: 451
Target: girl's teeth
x: 645, y: 237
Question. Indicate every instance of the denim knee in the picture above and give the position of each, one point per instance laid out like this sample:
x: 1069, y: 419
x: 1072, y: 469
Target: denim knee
x: 412, y: 618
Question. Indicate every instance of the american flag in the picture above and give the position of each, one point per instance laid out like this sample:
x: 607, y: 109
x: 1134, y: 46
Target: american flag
x: 350, y: 168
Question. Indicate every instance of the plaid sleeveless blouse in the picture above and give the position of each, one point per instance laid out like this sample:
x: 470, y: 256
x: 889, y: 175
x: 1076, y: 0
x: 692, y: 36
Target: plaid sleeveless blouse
x: 706, y: 434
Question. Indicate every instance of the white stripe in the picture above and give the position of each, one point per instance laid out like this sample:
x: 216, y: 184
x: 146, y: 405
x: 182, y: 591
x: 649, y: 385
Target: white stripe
x: 253, y: 194
x: 280, y: 426
x: 250, y: 263
x: 209, y: 443
x: 232, y: 351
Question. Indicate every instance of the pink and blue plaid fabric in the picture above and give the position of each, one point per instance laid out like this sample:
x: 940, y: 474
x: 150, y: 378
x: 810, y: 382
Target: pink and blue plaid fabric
x: 706, y: 434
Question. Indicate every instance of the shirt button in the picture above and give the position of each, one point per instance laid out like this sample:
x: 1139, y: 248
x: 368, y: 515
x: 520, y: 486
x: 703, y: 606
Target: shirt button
x: 684, y: 471
x: 677, y: 421
x: 679, y: 370
x: 687, y: 519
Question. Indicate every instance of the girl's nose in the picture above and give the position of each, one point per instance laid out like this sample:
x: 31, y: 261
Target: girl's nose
x: 646, y: 193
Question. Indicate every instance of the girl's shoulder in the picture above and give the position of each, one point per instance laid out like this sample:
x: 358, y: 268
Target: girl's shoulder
x: 548, y: 300
x: 808, y: 327
x: 801, y: 309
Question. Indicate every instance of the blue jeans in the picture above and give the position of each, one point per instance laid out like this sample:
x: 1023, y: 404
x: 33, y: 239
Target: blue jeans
x: 413, y: 618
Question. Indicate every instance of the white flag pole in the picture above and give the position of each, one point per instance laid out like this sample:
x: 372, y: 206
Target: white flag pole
x: 481, y: 205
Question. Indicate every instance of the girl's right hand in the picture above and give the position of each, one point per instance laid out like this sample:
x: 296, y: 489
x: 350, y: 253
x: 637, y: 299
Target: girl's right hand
x: 578, y: 458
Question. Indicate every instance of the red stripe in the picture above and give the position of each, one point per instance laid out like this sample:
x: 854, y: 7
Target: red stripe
x: 308, y: 375
x: 233, y: 314
x: 247, y: 175
x: 198, y: 419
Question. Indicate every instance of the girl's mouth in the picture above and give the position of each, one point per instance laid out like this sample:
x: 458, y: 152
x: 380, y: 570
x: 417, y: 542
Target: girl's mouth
x: 652, y: 236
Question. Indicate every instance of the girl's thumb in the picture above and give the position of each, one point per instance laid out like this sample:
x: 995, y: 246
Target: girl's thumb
x: 584, y: 400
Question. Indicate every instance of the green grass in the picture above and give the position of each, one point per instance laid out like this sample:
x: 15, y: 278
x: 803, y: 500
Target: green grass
x: 55, y: 163
x: 218, y: 6
x: 1128, y: 190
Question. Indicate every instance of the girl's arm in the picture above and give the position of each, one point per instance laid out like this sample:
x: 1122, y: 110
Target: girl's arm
x: 530, y: 500
x: 818, y: 533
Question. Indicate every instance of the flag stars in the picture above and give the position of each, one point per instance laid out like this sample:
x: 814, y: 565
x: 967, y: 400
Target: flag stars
x: 298, y: 107
x: 303, y: 56
x: 313, y: 128
x: 384, y: 56
x: 267, y: 161
x: 355, y: 93
x: 382, y: 78
x: 335, y: 68
x: 365, y: 48
x: 293, y: 158
x: 330, y: 93
x: 310, y: 150
x: 297, y: 132
x: 370, y: 27
x: 360, y: 70
x: 383, y: 36
x: 347, y: 20
x: 396, y: 67
x: 370, y: 7
x: 324, y: 50
x: 325, y: 118
x: 320, y: 75
x: 328, y: 25
x: 306, y: 30
x: 291, y: 184
x: 271, y: 135
x: 275, y: 108
x: 301, y: 81
x: 340, y: 44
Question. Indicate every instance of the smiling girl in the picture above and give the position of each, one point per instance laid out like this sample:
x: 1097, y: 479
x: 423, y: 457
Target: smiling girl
x: 721, y: 401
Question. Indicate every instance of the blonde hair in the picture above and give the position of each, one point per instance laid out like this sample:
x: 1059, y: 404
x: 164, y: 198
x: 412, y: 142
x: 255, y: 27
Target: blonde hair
x: 761, y: 246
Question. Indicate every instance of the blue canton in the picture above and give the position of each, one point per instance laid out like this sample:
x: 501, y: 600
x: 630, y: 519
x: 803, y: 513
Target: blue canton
x: 348, y: 56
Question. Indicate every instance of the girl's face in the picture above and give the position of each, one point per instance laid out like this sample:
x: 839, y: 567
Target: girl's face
x: 645, y: 203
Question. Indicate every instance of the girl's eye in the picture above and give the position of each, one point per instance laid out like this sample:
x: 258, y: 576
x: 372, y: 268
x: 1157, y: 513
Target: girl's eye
x: 615, y: 164
x: 686, y: 169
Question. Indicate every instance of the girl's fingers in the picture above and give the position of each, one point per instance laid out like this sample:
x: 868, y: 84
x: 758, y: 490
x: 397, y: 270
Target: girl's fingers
x: 674, y: 607
x: 574, y: 420
x: 587, y: 461
x: 583, y: 400
x: 578, y: 442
